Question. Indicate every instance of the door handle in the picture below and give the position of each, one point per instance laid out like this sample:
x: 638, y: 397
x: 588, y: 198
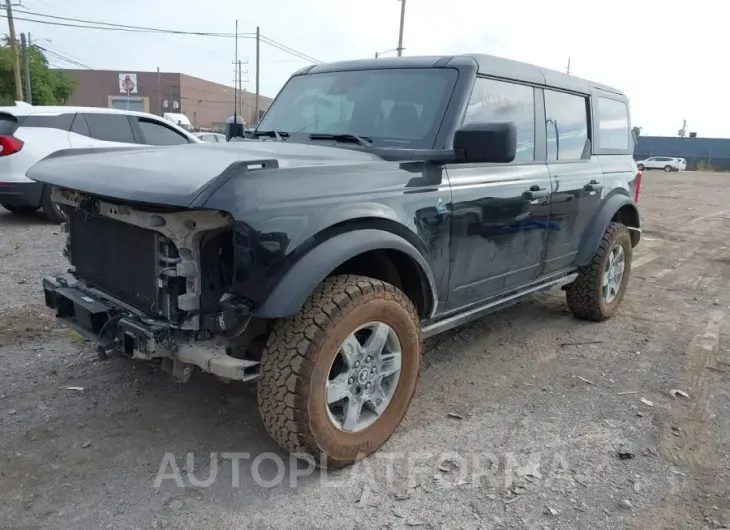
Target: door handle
x: 535, y: 192
x: 593, y: 185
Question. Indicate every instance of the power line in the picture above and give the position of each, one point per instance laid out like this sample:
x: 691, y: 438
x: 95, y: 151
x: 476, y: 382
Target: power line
x: 126, y: 27
x: 287, y: 49
x: 109, y: 26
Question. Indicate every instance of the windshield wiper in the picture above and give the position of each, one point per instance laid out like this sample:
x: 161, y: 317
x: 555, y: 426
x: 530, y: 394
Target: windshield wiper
x: 279, y: 135
x: 346, y: 137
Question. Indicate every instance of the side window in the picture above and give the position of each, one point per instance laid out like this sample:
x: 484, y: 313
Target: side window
x: 154, y: 133
x: 566, y: 124
x: 58, y: 121
x: 501, y: 101
x: 613, y: 124
x: 79, y: 126
x: 110, y: 127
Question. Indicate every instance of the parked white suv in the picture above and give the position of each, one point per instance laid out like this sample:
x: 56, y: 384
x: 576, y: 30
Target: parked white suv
x: 28, y: 134
x: 666, y: 163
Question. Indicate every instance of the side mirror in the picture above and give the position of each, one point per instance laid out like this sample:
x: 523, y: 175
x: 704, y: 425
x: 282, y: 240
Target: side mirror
x: 494, y: 142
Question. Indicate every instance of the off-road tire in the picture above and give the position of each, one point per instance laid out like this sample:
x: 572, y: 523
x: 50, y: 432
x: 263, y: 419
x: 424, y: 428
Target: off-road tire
x: 668, y: 169
x: 49, y: 207
x: 297, y: 358
x: 584, y: 295
x: 20, y: 210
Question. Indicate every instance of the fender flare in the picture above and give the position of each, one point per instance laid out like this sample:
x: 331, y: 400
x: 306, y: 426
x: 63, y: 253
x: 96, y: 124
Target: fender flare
x: 300, y: 280
x: 595, y: 230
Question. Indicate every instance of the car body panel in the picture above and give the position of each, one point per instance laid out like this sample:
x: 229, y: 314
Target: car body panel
x: 480, y: 231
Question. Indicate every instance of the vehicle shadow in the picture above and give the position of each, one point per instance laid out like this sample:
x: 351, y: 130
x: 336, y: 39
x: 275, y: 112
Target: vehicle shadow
x: 37, y: 218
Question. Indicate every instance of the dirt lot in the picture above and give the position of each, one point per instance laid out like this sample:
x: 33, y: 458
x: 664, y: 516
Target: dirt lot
x: 544, y: 405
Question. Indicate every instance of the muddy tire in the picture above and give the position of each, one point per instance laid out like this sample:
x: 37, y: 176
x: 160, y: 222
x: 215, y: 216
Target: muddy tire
x: 310, y: 359
x: 50, y: 208
x: 598, y: 291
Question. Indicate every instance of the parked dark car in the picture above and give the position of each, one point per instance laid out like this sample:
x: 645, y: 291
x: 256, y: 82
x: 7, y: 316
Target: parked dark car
x: 384, y: 201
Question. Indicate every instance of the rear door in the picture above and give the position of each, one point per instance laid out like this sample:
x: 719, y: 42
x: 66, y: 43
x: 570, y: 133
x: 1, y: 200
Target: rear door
x: 154, y: 132
x: 576, y: 176
x: 94, y: 129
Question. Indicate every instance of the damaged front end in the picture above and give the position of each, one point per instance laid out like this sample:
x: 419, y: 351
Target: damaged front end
x: 152, y: 283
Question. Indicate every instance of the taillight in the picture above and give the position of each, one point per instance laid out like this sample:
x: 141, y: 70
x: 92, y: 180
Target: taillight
x: 637, y: 186
x: 10, y: 145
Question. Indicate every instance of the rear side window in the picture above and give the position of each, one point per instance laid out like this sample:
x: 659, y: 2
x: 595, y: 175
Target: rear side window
x: 566, y: 124
x: 61, y: 122
x: 8, y: 123
x: 613, y: 124
x: 110, y: 127
x: 154, y: 133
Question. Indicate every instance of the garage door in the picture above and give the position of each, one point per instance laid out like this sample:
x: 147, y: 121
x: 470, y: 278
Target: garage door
x: 122, y: 103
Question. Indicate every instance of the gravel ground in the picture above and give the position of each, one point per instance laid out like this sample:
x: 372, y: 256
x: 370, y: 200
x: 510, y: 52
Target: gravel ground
x: 525, y: 419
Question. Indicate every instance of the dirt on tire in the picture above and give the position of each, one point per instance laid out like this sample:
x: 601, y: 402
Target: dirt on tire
x: 298, y: 356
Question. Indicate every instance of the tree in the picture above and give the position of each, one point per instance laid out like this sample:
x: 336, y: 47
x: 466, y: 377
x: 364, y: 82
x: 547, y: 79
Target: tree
x: 48, y: 86
x: 636, y: 131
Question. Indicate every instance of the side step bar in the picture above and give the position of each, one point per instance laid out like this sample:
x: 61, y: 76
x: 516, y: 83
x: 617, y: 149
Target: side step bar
x: 484, y: 309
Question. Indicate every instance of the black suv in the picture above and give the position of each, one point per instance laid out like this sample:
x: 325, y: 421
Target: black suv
x: 378, y: 202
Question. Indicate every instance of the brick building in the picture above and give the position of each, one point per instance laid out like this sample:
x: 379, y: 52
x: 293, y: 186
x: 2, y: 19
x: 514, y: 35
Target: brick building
x: 206, y: 104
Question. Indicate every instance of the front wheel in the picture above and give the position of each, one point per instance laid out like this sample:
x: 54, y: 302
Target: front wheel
x: 600, y: 286
x: 640, y: 167
x: 668, y: 169
x: 337, y: 378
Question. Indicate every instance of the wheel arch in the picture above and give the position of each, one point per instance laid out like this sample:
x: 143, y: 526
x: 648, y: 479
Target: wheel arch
x: 618, y: 207
x: 368, y: 247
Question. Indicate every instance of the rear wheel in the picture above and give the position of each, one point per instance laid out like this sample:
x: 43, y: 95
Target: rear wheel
x: 337, y: 378
x: 600, y: 286
x: 51, y: 209
x: 20, y: 210
x: 668, y: 169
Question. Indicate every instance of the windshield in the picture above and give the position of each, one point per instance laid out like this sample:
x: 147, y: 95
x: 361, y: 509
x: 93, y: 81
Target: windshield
x: 390, y: 107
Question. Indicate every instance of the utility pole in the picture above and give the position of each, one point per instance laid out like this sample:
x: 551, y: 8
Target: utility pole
x: 567, y: 70
x: 402, y: 23
x: 14, y: 53
x: 258, y: 70
x: 26, y: 66
x: 235, y: 94
x: 240, y: 94
x: 159, y: 92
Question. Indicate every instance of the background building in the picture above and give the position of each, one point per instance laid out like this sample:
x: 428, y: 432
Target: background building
x: 700, y: 153
x: 206, y: 104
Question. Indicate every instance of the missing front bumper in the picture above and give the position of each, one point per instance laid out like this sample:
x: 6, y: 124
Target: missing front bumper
x: 117, y: 327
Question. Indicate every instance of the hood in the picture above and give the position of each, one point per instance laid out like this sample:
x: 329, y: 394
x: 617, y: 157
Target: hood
x: 177, y: 175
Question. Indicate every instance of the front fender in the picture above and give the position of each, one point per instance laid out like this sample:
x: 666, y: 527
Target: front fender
x: 595, y: 230
x: 301, y: 279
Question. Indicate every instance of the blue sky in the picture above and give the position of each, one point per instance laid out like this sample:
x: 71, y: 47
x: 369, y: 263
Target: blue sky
x: 669, y: 62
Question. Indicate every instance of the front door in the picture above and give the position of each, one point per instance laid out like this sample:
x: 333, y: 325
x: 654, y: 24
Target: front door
x: 576, y: 176
x: 500, y: 213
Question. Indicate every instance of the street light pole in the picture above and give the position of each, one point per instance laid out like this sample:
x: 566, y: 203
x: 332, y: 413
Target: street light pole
x: 402, y: 23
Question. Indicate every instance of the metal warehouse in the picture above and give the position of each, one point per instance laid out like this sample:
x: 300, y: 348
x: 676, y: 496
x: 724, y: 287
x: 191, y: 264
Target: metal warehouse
x: 700, y: 153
